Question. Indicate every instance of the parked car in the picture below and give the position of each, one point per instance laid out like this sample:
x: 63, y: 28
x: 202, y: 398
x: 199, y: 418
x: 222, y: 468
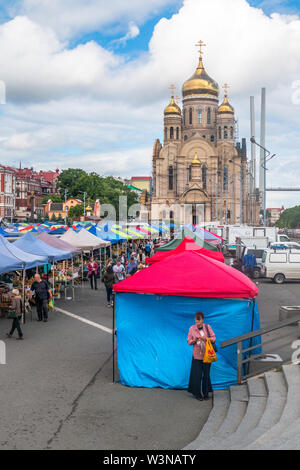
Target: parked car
x: 280, y: 265
x: 285, y: 245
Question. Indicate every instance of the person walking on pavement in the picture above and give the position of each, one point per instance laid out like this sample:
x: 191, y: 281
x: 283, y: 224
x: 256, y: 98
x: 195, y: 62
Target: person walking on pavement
x: 92, y: 269
x: 16, y: 314
x: 199, y: 376
x: 109, y: 279
x: 42, y: 294
x: 119, y: 271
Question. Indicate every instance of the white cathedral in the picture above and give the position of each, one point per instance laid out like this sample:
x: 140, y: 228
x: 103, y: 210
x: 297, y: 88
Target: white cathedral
x: 200, y: 172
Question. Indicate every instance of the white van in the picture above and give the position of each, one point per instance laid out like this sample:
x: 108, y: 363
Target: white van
x: 280, y: 265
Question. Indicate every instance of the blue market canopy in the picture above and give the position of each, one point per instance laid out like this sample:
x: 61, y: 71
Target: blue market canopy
x: 8, y: 262
x: 31, y: 244
x: 28, y: 260
x: 5, y: 233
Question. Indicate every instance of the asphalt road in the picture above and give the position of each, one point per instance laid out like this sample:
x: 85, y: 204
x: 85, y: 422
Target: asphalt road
x: 57, y: 392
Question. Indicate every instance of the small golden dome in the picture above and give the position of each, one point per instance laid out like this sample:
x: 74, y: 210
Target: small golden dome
x: 196, y: 162
x: 225, y: 107
x: 200, y: 83
x: 172, y: 108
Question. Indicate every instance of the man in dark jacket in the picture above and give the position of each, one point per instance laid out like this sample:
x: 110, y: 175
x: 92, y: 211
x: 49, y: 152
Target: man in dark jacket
x: 109, y: 279
x: 42, y: 294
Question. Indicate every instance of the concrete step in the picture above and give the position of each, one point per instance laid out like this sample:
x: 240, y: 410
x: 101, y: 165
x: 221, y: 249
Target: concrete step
x: 221, y: 402
x: 257, y: 400
x: 235, y: 414
x: 276, y: 389
x: 290, y: 439
x: 274, y: 436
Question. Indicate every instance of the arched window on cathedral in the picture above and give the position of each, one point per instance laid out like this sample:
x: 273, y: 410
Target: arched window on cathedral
x: 191, y: 116
x: 184, y: 116
x: 200, y: 115
x: 220, y: 133
x: 204, y: 176
x: 171, y: 133
x: 171, y: 215
x: 208, y: 116
x: 231, y: 132
x: 171, y: 178
x: 177, y: 133
x: 190, y: 173
x: 225, y: 178
x: 212, y: 138
x: 225, y: 132
x: 185, y: 138
x: 166, y: 133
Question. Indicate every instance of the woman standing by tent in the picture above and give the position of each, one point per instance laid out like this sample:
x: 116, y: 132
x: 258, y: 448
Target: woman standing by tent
x: 199, y: 376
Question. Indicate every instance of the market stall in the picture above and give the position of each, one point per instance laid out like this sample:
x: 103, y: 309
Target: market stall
x: 186, y: 232
x: 18, y: 261
x: 187, y: 244
x: 155, y: 309
x: 31, y: 244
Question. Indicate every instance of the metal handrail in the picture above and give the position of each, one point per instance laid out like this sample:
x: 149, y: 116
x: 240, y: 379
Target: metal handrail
x: 238, y: 340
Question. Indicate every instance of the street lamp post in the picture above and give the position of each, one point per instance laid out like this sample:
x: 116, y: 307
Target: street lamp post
x: 267, y: 154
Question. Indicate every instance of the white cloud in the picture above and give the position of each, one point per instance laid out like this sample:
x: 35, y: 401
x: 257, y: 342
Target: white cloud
x: 132, y: 33
x: 70, y: 18
x: 88, y: 98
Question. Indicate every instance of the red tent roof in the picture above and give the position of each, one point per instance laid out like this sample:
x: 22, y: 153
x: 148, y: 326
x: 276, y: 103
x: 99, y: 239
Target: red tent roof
x: 190, y: 274
x: 187, y: 244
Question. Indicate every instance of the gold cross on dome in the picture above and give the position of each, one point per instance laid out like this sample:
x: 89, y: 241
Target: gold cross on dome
x: 226, y: 87
x: 200, y: 44
x: 172, y: 88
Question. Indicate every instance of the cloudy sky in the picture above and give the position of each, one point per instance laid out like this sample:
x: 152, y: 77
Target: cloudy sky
x: 87, y: 80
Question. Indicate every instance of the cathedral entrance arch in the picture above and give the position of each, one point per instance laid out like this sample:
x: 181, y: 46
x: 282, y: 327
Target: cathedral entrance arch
x: 195, y: 206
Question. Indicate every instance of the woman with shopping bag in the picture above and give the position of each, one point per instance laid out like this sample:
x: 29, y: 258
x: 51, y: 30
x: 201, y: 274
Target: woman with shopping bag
x: 201, y: 335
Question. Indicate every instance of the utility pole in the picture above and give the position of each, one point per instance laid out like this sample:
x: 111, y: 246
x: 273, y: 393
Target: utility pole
x: 66, y: 208
x: 253, y: 162
x: 84, y: 199
x: 262, y: 176
x: 241, y: 189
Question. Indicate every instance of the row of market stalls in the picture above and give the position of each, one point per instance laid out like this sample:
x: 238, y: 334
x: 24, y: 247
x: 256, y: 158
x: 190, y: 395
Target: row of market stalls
x: 59, y: 260
x: 113, y: 232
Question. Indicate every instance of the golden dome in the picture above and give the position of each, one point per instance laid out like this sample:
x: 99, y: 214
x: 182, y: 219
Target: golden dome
x: 200, y: 83
x: 172, y: 108
x: 196, y: 162
x: 225, y: 107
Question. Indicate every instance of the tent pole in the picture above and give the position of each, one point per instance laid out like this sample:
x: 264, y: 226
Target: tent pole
x: 23, y: 298
x: 113, y: 335
x: 53, y: 290
x: 82, y: 269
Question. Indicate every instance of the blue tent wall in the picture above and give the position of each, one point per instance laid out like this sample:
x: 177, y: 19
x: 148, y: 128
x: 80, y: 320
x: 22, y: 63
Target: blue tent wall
x: 152, y: 338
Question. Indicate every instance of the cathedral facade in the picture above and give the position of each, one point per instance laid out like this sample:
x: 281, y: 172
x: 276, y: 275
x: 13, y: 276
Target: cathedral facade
x: 200, y: 172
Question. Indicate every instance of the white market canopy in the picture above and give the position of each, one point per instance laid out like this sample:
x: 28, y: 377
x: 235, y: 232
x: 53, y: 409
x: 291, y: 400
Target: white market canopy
x: 84, y: 240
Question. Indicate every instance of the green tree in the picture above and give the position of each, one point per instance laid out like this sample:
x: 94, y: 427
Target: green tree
x: 107, y: 189
x: 290, y: 218
x: 53, y: 197
x: 76, y: 211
